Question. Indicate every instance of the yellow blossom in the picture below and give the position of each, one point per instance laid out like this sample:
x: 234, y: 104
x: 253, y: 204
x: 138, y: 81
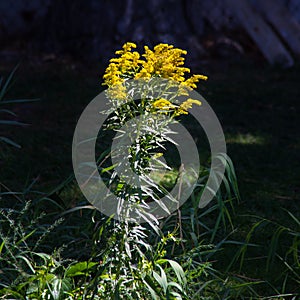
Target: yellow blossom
x: 117, y: 92
x: 126, y: 48
x: 183, y: 108
x: 122, y: 67
x: 128, y: 62
x: 191, y: 82
x: 189, y: 102
x: 163, y: 104
x: 112, y: 75
x: 143, y: 74
x: 164, y: 61
x: 157, y: 155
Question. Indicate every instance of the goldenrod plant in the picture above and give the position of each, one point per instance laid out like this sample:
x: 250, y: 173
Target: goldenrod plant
x: 137, y: 268
x: 151, y: 89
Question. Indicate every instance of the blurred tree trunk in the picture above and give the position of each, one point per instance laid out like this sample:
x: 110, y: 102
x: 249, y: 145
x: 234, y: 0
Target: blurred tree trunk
x: 94, y: 29
x: 98, y: 28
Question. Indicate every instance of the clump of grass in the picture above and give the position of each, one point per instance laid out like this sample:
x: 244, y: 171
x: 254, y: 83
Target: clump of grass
x: 279, y: 251
x: 4, y: 87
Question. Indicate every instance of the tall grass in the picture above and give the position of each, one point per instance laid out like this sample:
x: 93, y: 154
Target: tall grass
x: 5, y: 85
x: 277, y: 252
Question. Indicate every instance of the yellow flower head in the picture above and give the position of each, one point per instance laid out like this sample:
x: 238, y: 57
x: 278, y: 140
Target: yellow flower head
x: 163, y: 104
x: 122, y: 67
x: 126, y: 48
x: 143, y: 74
x: 112, y: 75
x: 186, y: 105
x: 157, y: 155
x: 163, y: 61
x: 117, y: 92
x: 191, y: 82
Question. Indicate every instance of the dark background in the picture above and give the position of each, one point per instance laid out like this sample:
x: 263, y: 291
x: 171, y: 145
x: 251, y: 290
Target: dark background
x: 92, y: 30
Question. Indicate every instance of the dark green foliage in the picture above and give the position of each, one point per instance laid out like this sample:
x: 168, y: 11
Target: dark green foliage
x: 246, y: 249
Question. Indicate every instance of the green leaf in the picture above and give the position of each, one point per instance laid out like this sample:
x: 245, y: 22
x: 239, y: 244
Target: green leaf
x: 9, y: 141
x: 11, y: 293
x: 8, y: 112
x: 27, y: 262
x: 59, y: 288
x: 80, y: 268
x: 151, y: 290
x: 1, y: 246
x: 4, y: 89
x: 161, y: 279
x: 175, y: 284
x: 24, y: 238
x: 178, y: 271
x: 9, y: 122
x: 127, y: 249
x: 19, y: 101
x: 44, y: 256
x: 77, y: 208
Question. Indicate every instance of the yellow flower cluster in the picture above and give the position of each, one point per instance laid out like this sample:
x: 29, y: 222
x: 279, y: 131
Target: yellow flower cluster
x: 191, y: 82
x: 117, y: 92
x: 124, y: 66
x: 164, y: 61
x: 186, y: 105
x: 163, y: 104
x: 182, y: 109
